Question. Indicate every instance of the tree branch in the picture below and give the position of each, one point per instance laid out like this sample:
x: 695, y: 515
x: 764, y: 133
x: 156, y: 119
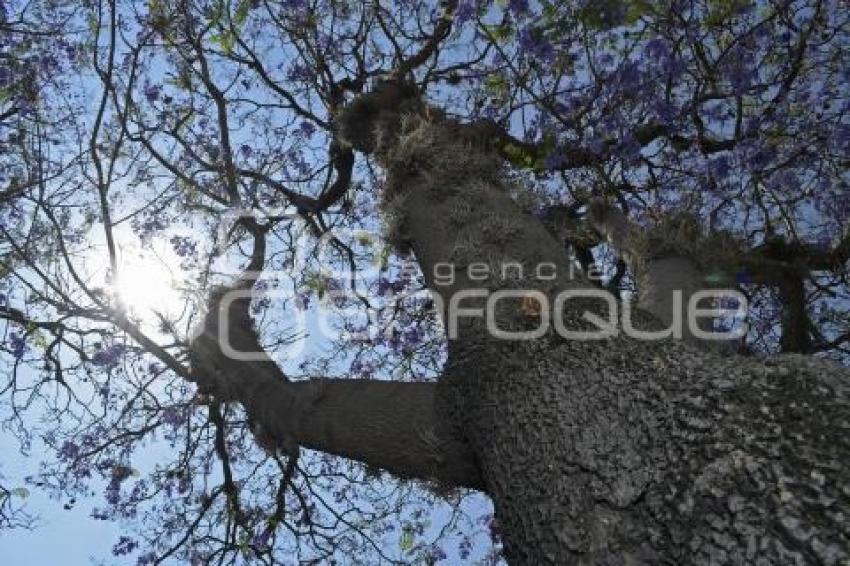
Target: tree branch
x: 388, y: 425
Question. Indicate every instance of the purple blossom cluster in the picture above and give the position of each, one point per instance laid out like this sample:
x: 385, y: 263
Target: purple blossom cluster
x: 69, y: 451
x: 464, y: 11
x: 152, y: 92
x: 17, y: 344
x: 183, y: 484
x: 124, y: 546
x: 306, y: 129
x: 404, y: 341
x: 109, y: 356
x: 262, y: 537
x: 184, y: 247
x: 533, y: 43
x: 435, y: 553
x: 518, y: 8
x: 299, y: 72
x: 173, y: 416
x: 335, y: 291
x: 390, y: 288
x: 362, y: 368
x: 296, y: 159
x: 146, y: 226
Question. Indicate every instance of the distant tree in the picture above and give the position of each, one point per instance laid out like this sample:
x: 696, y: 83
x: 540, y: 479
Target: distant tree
x: 254, y: 150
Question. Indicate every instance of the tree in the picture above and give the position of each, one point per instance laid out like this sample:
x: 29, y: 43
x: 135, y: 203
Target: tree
x: 510, y: 152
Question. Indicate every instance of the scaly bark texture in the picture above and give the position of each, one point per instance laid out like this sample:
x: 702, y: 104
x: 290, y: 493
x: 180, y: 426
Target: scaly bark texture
x: 612, y: 451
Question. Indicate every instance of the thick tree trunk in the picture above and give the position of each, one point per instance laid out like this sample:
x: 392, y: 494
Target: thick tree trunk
x: 609, y: 451
x: 612, y: 451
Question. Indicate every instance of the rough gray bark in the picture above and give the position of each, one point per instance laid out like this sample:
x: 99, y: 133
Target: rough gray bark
x: 603, y: 452
x: 613, y: 451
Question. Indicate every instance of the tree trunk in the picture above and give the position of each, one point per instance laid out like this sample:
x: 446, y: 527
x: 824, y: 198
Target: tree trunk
x: 615, y: 450
x: 609, y: 451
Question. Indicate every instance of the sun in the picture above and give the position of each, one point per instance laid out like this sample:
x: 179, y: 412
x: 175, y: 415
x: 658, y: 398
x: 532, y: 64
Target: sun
x: 148, y: 283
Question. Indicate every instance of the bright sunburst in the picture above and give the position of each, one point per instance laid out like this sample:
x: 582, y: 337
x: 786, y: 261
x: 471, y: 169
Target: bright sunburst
x: 148, y: 281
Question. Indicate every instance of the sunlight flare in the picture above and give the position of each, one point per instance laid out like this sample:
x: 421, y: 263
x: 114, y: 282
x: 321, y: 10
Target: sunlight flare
x: 147, y: 283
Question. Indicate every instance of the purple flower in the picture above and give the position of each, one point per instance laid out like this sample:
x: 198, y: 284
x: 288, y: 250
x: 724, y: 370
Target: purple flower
x: 295, y: 4
x: 464, y: 12
x: 302, y: 301
x: 629, y: 148
x: 124, y: 546
x: 411, y: 338
x: 108, y: 356
x: 393, y: 287
x: 741, y: 74
x: 299, y: 72
x: 823, y: 243
x: 113, y: 492
x: 148, y: 225
x: 605, y: 60
x: 68, y: 451
x: 307, y: 129
x: 657, y: 49
x: 363, y: 369
x: 335, y: 291
x: 555, y: 160
x: 842, y: 207
x: 629, y: 75
x: 532, y: 42
x: 720, y: 166
x: 213, y: 151
x: 665, y: 111
x: 173, y: 416
x: 841, y: 136
x: 18, y: 345
x: 752, y: 126
x: 261, y: 539
x: 152, y: 92
x: 518, y: 7
x: 298, y: 161
x: 762, y: 157
x: 5, y: 76
x: 183, y: 246
x: 596, y: 145
x: 436, y: 554
x: 464, y: 548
